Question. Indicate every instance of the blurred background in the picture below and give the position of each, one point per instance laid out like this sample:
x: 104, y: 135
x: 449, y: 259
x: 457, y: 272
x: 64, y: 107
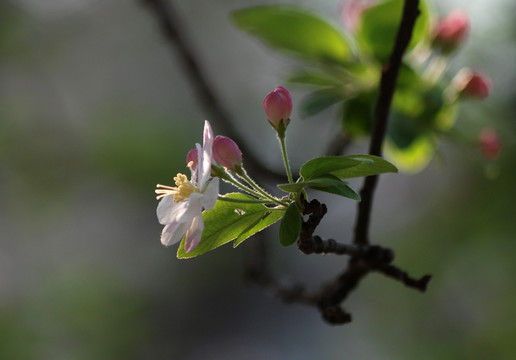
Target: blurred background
x: 96, y: 109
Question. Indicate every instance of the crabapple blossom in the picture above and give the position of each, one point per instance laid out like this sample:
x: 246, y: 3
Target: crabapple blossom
x: 181, y: 206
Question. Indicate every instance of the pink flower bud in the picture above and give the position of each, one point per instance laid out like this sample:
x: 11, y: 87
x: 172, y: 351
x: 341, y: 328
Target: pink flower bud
x: 489, y: 143
x: 278, y: 107
x: 451, y: 31
x: 192, y: 159
x: 226, y: 152
x: 472, y: 84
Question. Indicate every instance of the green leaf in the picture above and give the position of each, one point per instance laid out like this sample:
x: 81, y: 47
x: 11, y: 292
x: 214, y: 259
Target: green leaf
x: 313, y: 78
x: 266, y: 220
x: 329, y: 183
x: 228, y: 221
x: 290, y: 226
x: 295, y: 31
x: 326, y: 165
x: 357, y: 115
x: 377, y: 30
x: 415, y: 156
x: 321, y: 99
x: 346, y: 167
x: 333, y: 185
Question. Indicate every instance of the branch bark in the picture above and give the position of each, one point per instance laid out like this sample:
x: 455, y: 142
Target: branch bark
x: 381, y: 116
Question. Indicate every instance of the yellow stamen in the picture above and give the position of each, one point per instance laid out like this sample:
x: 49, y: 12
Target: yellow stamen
x: 181, y: 191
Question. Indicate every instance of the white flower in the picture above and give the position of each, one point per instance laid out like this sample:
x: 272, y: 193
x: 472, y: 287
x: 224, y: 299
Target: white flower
x: 181, y: 206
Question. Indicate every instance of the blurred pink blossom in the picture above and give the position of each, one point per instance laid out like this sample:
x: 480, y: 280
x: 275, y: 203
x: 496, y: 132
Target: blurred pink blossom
x: 351, y: 12
x: 472, y: 83
x: 451, y: 31
x: 489, y: 143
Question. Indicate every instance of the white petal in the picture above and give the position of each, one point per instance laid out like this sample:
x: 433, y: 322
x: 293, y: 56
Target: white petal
x: 210, y: 194
x: 194, y: 233
x: 173, y: 233
x: 205, y: 169
x: 169, y: 211
x: 207, y: 138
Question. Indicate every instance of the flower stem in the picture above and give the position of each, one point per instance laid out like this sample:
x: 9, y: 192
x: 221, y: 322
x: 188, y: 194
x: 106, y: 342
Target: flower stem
x: 243, y: 174
x: 281, y: 138
x: 231, y: 179
x: 246, y: 201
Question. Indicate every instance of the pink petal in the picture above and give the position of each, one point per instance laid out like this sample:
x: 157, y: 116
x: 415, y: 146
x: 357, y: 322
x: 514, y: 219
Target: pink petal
x: 173, y: 233
x: 194, y: 233
x: 204, y: 171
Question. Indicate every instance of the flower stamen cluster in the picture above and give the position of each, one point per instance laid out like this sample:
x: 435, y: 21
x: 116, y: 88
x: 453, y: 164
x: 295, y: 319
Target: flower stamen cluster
x: 182, y: 191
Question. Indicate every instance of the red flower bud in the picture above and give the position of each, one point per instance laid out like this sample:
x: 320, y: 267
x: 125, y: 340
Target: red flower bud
x: 489, y: 143
x: 451, y: 31
x: 226, y: 152
x: 278, y: 107
x: 472, y: 84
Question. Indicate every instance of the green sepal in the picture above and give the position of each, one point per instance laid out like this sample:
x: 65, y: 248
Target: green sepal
x: 290, y: 226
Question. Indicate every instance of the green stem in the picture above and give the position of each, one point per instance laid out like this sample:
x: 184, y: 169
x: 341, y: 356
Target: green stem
x: 231, y: 179
x: 246, y: 201
x: 285, y: 158
x: 243, y: 174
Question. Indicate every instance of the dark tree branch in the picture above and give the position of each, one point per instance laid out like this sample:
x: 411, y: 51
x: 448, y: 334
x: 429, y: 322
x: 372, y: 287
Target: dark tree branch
x: 381, y: 115
x: 170, y: 23
x: 365, y: 258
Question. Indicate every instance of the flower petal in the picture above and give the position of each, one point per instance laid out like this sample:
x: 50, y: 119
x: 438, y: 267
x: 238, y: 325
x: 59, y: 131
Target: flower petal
x: 174, y: 232
x: 198, y: 167
x: 210, y: 194
x: 169, y: 211
x: 204, y: 171
x: 207, y: 137
x: 194, y: 233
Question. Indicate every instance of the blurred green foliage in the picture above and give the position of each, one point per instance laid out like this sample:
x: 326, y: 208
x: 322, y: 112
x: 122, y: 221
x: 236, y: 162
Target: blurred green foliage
x: 423, y: 105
